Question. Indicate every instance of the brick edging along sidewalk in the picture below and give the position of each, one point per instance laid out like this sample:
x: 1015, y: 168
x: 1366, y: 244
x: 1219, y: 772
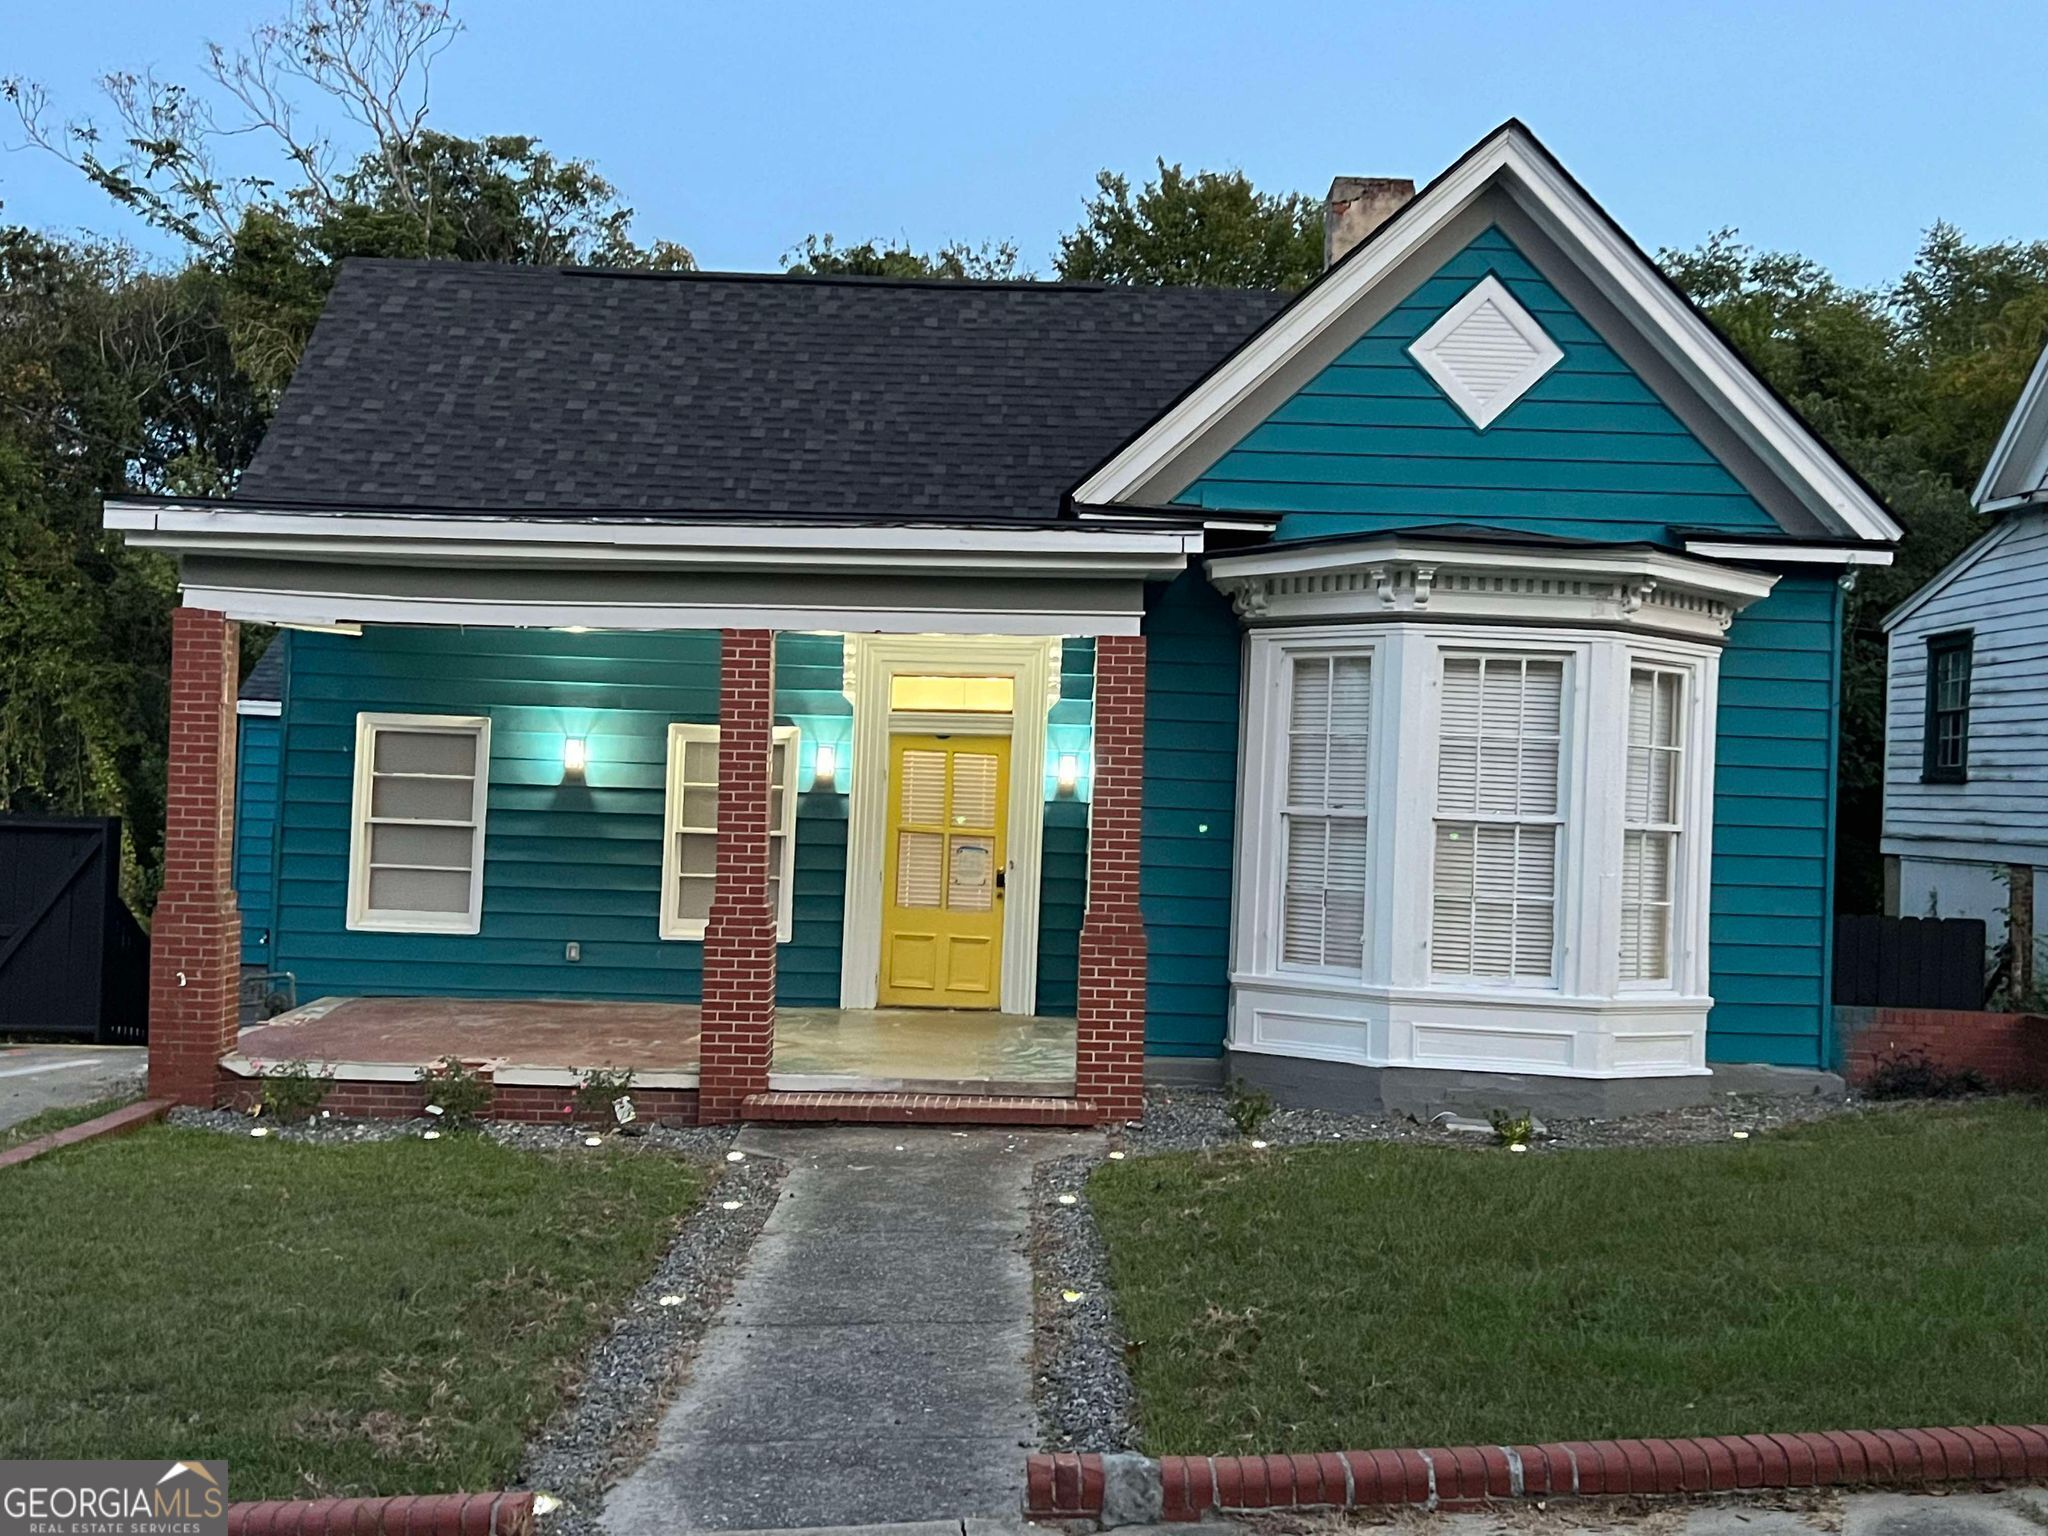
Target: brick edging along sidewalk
x: 113, y: 1123
x: 1069, y: 1486
x: 429, y: 1514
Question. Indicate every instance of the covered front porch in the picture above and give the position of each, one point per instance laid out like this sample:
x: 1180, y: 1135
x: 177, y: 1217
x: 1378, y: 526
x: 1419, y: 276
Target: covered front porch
x: 554, y: 1043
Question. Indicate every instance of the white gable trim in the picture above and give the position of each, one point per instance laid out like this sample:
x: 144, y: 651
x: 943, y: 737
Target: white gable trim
x: 1512, y: 159
x: 2017, y: 471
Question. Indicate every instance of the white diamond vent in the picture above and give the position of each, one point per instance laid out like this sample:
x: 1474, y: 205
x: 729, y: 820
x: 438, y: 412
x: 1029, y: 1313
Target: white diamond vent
x: 1485, y: 351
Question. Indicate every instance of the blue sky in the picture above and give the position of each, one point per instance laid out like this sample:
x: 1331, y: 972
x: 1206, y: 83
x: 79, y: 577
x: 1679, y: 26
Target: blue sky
x: 1840, y: 130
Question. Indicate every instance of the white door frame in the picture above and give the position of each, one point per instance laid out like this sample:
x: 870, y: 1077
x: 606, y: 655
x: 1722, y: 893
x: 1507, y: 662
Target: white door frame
x: 877, y: 659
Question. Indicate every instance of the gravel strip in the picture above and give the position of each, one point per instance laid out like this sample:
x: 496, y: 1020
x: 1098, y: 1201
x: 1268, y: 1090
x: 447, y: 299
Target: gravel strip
x: 630, y: 1375
x: 1085, y: 1401
x: 705, y: 1141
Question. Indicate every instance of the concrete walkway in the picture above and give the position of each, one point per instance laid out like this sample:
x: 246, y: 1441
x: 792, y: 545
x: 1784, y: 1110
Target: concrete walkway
x: 872, y: 1365
x: 34, y: 1078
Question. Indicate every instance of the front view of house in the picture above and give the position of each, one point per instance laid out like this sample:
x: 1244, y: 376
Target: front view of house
x: 835, y: 697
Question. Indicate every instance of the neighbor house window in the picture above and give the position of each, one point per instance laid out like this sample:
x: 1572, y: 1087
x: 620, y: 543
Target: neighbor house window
x: 1499, y: 741
x: 1322, y: 919
x: 416, y: 850
x: 1650, y: 821
x: 690, y: 839
x: 1945, y: 751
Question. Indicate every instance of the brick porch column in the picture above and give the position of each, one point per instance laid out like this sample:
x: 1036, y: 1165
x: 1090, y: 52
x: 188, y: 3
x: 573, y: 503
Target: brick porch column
x: 739, y: 936
x: 1111, y: 1044
x: 195, y: 938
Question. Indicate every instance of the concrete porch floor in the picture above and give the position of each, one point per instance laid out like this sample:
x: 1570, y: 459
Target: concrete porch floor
x: 816, y: 1049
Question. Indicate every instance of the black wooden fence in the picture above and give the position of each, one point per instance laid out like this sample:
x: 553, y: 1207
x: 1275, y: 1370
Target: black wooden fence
x: 73, y: 961
x: 1910, y: 962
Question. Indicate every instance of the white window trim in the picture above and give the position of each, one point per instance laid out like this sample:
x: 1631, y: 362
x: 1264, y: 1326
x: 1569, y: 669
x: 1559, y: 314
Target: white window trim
x: 680, y: 734
x: 1583, y: 1022
x: 361, y: 918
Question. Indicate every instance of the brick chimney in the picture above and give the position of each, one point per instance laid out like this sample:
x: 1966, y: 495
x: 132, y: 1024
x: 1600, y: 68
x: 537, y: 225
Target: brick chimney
x: 1356, y: 206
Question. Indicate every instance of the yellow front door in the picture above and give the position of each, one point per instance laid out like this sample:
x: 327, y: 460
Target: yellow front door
x: 942, y: 919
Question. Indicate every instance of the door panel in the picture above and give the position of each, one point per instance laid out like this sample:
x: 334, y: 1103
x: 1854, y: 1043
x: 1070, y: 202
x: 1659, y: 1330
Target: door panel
x: 942, y: 925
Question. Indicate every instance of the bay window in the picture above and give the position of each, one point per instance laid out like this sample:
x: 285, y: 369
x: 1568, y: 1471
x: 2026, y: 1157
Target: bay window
x: 1324, y: 811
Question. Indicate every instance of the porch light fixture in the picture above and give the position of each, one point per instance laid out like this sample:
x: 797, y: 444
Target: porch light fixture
x: 1069, y: 772
x: 825, y: 766
x: 572, y: 757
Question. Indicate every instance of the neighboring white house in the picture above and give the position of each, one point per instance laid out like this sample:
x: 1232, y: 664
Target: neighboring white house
x: 1966, y: 738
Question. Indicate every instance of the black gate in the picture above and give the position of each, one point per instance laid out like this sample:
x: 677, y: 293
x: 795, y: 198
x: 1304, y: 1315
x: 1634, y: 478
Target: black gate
x: 1910, y: 962
x: 73, y: 961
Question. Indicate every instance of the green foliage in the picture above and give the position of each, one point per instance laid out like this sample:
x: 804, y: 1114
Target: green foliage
x: 1913, y: 1074
x: 599, y: 1088
x: 1249, y: 1108
x: 459, y: 1093
x: 1212, y: 229
x: 822, y: 256
x: 293, y: 1090
x: 1512, y: 1128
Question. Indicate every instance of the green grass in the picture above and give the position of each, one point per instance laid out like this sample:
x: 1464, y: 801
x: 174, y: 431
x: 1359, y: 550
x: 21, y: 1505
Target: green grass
x: 1859, y: 1273
x: 380, y: 1318
x: 45, y: 1121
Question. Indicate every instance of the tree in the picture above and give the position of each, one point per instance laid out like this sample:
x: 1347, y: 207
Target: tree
x: 822, y: 256
x: 1212, y: 229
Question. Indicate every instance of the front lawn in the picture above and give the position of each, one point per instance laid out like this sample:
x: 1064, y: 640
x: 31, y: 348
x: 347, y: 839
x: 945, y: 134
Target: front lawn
x: 1863, y: 1272
x: 384, y: 1318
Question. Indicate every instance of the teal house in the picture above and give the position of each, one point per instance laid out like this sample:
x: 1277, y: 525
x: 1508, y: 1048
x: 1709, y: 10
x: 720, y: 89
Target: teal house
x: 1415, y: 690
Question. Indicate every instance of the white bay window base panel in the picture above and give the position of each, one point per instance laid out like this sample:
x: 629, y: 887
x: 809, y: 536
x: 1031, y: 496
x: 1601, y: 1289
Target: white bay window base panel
x: 1464, y: 1031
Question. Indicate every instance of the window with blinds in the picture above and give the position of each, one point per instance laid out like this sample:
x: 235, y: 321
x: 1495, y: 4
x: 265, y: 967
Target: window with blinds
x: 1498, y: 813
x: 1651, y: 821
x: 1323, y: 817
x: 417, y: 846
x: 690, y: 840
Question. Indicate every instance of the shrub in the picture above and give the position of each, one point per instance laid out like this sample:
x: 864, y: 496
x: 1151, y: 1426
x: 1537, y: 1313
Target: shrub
x: 1512, y: 1128
x: 1913, y: 1074
x: 1249, y: 1108
x: 600, y: 1088
x: 462, y: 1095
x: 293, y: 1090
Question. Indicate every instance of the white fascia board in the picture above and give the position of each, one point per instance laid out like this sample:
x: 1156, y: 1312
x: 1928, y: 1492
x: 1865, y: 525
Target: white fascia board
x: 481, y: 539
x: 1513, y: 160
x: 347, y: 612
x: 1677, y: 570
x: 2028, y: 426
x: 1786, y: 554
x: 258, y: 707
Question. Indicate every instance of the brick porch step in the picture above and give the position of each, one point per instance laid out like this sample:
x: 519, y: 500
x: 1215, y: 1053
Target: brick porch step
x: 917, y: 1109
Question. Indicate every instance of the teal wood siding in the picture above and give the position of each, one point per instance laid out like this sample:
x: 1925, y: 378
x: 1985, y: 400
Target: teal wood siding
x: 256, y: 790
x: 1063, y: 865
x: 562, y: 861
x: 1774, y: 828
x: 1371, y: 443
x: 1191, y: 712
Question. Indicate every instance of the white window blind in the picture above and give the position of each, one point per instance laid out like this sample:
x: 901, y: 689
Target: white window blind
x: 1323, y: 820
x: 416, y: 851
x: 1494, y: 893
x: 1651, y: 821
x: 690, y: 842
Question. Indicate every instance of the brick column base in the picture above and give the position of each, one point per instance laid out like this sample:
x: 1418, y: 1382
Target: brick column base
x: 739, y: 935
x: 1110, y: 1043
x: 195, y: 939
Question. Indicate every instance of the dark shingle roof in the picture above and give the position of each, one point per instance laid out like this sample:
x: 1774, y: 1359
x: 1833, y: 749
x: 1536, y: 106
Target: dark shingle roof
x: 265, y: 682
x: 466, y: 387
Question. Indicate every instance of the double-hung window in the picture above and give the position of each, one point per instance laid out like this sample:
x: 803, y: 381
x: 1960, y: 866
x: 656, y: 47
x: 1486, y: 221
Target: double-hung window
x: 690, y: 835
x: 1329, y: 718
x: 1493, y: 901
x: 1945, y: 749
x: 1651, y: 816
x: 416, y: 847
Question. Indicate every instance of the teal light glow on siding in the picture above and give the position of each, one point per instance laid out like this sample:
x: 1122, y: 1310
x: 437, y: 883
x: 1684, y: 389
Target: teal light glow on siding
x: 256, y: 768
x: 562, y: 860
x: 1371, y: 443
x: 1774, y: 828
x: 1063, y: 865
x: 1191, y: 708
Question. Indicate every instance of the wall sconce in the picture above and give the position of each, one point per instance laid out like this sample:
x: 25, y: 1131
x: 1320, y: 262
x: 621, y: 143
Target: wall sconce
x: 1069, y: 772
x: 572, y: 757
x: 825, y: 766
